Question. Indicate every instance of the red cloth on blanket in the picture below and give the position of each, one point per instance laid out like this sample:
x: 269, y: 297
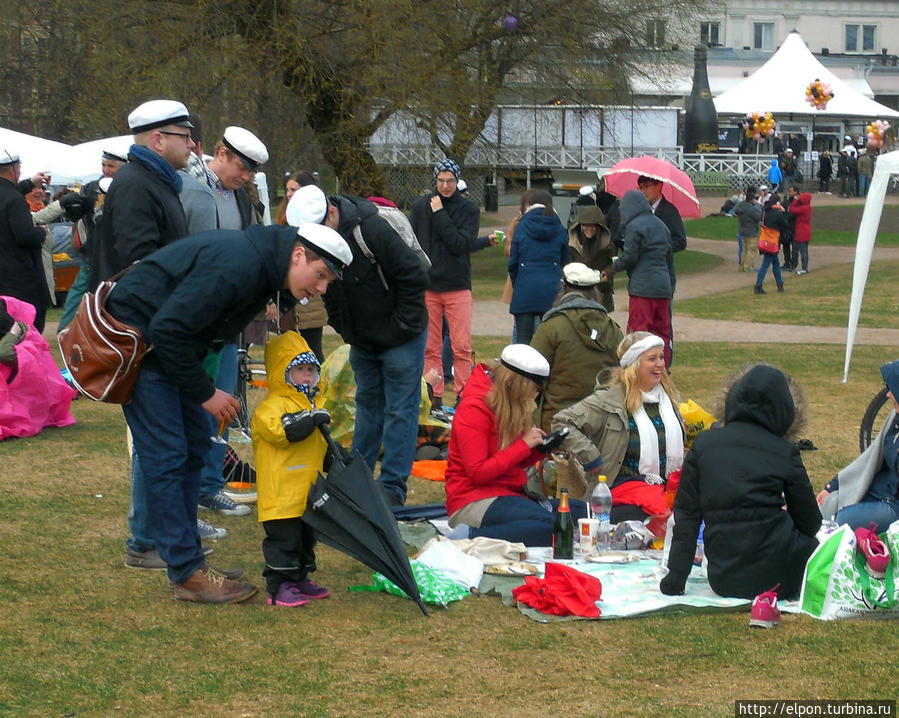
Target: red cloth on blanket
x: 563, y: 591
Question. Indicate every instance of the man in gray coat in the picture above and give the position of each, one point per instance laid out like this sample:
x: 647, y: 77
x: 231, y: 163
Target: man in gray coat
x: 647, y: 257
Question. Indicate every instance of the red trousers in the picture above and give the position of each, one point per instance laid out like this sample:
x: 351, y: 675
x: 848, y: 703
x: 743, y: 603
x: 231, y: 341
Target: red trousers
x: 651, y: 314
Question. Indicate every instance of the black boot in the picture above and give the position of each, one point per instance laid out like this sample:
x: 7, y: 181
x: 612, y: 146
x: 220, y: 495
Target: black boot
x: 780, y: 287
x: 758, y: 289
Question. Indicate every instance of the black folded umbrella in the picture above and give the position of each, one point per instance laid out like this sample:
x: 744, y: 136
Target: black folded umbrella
x: 348, y: 512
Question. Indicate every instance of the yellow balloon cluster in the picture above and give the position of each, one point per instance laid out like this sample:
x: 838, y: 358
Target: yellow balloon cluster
x: 818, y: 94
x: 759, y: 125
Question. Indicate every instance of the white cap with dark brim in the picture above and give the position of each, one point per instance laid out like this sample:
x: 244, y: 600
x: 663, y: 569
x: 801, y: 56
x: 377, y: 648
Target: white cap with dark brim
x: 462, y: 185
x: 308, y: 204
x: 104, y: 183
x: 327, y: 244
x: 245, y: 145
x: 580, y: 275
x: 525, y: 360
x: 158, y: 113
x: 8, y: 157
x: 115, y: 155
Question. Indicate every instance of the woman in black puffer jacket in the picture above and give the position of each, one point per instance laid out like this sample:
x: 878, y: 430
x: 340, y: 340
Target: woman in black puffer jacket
x: 737, y: 479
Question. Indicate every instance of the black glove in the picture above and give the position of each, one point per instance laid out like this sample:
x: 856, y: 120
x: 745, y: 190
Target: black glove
x: 672, y: 585
x: 75, y: 206
x: 298, y: 426
x: 321, y: 416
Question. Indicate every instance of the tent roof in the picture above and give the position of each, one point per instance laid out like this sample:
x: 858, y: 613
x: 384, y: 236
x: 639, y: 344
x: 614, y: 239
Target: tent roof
x: 779, y: 85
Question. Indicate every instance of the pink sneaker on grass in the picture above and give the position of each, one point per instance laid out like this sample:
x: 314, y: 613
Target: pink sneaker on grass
x: 875, y: 551
x: 288, y: 595
x: 310, y: 589
x: 765, y: 613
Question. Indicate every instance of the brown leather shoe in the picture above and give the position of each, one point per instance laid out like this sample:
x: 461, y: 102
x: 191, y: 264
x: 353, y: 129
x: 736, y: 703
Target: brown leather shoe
x: 208, y: 586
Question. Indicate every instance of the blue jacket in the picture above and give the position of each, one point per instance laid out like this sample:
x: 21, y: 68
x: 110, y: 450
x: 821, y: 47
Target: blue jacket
x: 538, y: 253
x: 646, y: 255
x: 775, y: 176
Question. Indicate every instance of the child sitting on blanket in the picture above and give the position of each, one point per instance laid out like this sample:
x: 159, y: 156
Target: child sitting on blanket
x: 737, y: 479
x: 290, y: 451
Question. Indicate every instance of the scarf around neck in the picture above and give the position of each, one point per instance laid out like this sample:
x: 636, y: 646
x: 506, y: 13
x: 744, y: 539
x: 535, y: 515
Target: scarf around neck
x: 649, y: 438
x: 157, y: 166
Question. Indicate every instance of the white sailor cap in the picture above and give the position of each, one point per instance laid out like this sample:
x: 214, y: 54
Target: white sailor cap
x: 158, y: 113
x: 525, y: 360
x: 462, y: 185
x: 327, y: 244
x: 586, y: 190
x: 580, y: 275
x: 8, y: 157
x: 308, y: 204
x: 116, y: 155
x: 245, y: 145
x: 104, y: 183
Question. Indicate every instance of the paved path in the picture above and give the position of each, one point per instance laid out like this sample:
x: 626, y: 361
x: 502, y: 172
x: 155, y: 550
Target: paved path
x: 492, y: 318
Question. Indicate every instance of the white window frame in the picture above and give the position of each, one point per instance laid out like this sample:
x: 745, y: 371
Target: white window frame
x: 860, y: 37
x: 763, y: 46
x: 708, y: 25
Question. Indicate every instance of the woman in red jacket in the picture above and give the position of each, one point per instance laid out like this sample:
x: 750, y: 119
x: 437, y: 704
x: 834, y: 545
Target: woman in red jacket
x: 801, y: 209
x: 493, y: 442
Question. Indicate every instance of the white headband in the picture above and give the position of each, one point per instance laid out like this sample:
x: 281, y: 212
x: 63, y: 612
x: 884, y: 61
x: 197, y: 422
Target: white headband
x: 638, y: 347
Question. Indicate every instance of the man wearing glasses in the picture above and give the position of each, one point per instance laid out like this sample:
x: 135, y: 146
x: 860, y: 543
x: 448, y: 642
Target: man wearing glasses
x: 143, y: 210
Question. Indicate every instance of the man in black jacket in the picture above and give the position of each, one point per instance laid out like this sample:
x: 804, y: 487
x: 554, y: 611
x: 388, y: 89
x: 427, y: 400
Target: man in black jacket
x: 378, y: 308
x: 446, y: 225
x: 187, y: 298
x: 21, y: 268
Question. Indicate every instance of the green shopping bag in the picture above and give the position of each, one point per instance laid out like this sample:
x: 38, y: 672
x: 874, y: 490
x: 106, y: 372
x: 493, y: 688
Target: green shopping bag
x: 836, y: 584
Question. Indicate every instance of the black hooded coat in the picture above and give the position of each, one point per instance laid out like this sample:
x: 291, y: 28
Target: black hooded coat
x: 737, y: 479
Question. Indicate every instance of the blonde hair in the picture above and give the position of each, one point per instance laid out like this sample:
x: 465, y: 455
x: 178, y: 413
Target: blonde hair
x: 633, y: 394
x: 512, y: 403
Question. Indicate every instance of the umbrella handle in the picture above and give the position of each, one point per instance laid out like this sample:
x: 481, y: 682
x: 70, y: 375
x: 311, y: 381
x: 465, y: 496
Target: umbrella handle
x: 336, y: 449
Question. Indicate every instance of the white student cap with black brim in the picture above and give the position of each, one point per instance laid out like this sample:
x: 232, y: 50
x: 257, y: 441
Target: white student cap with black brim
x: 115, y: 155
x: 8, y: 157
x: 527, y: 361
x: 327, y: 244
x: 308, y: 204
x: 245, y: 145
x: 580, y: 275
x: 158, y: 113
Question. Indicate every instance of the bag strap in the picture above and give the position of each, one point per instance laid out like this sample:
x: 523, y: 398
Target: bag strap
x: 369, y: 255
x: 871, y: 593
x: 118, y: 275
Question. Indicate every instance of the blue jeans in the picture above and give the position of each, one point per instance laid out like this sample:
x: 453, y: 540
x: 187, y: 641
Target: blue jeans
x: 388, y: 395
x: 171, y: 436
x: 525, y: 327
x: 518, y: 518
x: 883, y: 513
x: 863, y: 184
x: 212, y: 480
x: 800, y: 253
x: 772, y: 260
x: 138, y: 522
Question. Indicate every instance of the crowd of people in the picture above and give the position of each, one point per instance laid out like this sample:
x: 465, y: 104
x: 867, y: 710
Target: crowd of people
x: 197, y: 271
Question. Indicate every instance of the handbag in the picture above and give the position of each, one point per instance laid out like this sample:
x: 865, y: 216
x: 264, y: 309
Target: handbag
x: 769, y: 239
x: 102, y: 354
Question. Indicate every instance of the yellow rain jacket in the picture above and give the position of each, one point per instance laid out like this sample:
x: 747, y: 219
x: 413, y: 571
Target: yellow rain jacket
x: 284, y: 470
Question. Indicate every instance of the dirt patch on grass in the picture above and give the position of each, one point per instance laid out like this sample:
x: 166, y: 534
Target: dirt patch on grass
x: 848, y: 218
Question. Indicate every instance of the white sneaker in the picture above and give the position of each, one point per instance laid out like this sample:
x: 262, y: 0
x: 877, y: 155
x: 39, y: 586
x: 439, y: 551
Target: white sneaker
x: 224, y: 504
x: 210, y: 532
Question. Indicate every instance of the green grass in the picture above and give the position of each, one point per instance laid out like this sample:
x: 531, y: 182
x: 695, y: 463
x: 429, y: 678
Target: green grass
x: 823, y: 218
x: 820, y: 298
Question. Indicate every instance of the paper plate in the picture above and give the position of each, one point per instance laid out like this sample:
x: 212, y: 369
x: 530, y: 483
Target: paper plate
x: 241, y: 491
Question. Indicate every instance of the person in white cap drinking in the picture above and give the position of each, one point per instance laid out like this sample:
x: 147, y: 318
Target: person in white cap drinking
x: 493, y: 441
x: 185, y: 298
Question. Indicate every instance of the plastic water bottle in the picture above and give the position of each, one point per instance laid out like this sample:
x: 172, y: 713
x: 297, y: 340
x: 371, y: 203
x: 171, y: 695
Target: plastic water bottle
x: 601, y: 504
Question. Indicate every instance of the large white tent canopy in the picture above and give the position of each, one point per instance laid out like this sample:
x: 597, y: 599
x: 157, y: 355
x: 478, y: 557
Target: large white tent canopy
x: 887, y: 165
x: 779, y: 85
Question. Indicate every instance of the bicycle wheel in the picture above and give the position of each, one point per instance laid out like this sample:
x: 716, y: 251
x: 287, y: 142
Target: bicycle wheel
x: 239, y: 469
x: 875, y: 415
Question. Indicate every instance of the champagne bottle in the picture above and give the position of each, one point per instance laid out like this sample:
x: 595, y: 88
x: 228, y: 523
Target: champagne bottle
x: 563, y: 529
x: 701, y: 121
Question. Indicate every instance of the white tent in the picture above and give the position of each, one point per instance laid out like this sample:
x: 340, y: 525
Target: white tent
x: 81, y: 163
x: 887, y: 165
x: 37, y: 154
x: 779, y: 85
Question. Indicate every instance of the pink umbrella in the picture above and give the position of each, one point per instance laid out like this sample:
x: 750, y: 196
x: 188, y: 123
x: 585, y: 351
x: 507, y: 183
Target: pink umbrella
x: 678, y: 187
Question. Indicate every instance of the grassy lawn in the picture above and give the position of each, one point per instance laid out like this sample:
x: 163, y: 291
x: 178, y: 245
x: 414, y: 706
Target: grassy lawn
x: 836, y: 226
x: 820, y: 298
x: 84, y: 636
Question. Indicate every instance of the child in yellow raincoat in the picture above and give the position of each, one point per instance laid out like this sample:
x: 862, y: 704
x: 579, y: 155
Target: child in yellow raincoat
x: 290, y: 451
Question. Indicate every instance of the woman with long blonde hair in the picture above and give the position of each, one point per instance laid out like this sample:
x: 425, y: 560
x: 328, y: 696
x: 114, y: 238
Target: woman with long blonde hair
x: 494, y: 440
x: 630, y: 429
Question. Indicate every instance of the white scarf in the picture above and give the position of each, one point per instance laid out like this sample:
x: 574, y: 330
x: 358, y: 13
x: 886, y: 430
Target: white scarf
x: 649, y: 438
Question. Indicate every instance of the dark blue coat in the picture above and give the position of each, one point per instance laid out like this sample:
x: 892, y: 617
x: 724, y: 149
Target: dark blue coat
x: 539, y: 251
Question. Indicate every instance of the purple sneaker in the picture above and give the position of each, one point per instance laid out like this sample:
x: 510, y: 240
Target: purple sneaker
x: 308, y: 588
x: 288, y: 595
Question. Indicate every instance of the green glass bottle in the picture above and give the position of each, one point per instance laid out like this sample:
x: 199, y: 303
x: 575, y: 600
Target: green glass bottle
x: 563, y: 529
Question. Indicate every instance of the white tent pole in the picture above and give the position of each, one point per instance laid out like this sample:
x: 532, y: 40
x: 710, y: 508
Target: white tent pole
x: 864, y: 248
